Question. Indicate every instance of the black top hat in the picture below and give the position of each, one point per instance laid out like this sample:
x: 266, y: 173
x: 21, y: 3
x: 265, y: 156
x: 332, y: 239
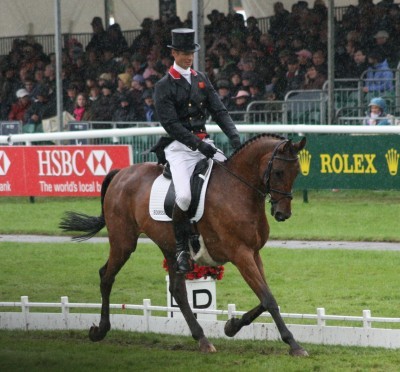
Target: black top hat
x: 183, y: 39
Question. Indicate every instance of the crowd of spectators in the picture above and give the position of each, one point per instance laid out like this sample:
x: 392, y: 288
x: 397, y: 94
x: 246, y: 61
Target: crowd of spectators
x: 109, y: 80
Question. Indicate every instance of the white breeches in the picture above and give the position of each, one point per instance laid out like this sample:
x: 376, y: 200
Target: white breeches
x: 182, y: 161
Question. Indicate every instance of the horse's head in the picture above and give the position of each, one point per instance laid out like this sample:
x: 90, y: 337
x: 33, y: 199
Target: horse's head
x: 279, y: 176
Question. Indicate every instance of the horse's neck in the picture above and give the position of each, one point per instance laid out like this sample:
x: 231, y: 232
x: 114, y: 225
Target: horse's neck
x: 247, y: 160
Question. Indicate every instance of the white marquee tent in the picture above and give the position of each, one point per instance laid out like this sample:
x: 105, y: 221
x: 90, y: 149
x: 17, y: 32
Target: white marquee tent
x: 36, y: 17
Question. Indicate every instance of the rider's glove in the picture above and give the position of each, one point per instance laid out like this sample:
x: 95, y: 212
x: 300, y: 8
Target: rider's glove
x: 206, y: 149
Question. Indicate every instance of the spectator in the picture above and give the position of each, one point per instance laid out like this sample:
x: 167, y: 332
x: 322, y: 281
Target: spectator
x: 70, y: 99
x: 359, y: 64
x: 279, y: 21
x: 210, y: 70
x: 314, y: 78
x: 92, y: 64
x: 29, y: 86
x: 116, y: 40
x: 43, y: 108
x: 125, y: 111
x: 19, y: 108
x: 81, y: 111
x: 103, y: 78
x: 239, y: 106
x: 109, y: 64
x: 144, y: 38
x: 99, y: 37
x: 248, y: 76
x: 379, y: 77
x: 49, y: 77
x: 319, y: 61
x: 148, y: 106
x: 256, y: 90
x: 224, y: 93
x: 150, y: 82
x: 236, y: 82
x: 377, y: 113
x: 150, y: 68
x: 123, y: 85
x: 304, y: 57
x: 103, y: 108
x: 252, y: 27
x: 136, y: 93
x: 8, y: 87
x: 390, y: 52
x: 294, y: 77
x: 94, y: 94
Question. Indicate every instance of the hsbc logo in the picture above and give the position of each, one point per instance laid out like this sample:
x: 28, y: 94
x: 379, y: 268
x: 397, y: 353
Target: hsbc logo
x: 99, y: 162
x: 4, y: 163
x: 66, y: 163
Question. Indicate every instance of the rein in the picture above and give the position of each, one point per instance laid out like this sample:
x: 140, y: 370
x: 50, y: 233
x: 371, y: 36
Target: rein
x: 267, y: 176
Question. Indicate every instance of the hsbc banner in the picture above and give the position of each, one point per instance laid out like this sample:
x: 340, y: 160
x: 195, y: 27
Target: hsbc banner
x: 58, y: 170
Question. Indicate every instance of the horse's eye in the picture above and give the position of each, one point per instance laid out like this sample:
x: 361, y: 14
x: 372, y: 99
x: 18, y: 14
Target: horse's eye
x: 278, y: 173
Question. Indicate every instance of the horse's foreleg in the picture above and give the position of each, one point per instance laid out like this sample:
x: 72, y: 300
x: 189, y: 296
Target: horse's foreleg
x: 250, y: 267
x: 107, y: 277
x: 177, y: 288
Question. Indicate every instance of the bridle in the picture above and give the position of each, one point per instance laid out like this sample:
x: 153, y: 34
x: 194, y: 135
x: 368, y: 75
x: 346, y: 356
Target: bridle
x: 266, y: 176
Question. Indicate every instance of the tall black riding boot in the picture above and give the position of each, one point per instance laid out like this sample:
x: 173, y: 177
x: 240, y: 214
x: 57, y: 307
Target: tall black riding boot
x: 181, y: 224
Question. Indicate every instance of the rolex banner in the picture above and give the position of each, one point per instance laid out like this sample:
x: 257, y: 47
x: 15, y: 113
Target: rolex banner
x: 350, y: 162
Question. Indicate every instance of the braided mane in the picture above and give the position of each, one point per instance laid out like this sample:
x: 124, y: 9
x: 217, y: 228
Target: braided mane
x: 254, y: 139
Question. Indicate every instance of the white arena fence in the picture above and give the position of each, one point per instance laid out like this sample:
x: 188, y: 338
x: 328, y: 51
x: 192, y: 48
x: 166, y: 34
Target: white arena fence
x: 319, y: 332
x: 301, y: 129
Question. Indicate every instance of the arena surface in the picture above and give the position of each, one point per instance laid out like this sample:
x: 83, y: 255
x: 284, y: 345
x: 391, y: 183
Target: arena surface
x: 290, y: 244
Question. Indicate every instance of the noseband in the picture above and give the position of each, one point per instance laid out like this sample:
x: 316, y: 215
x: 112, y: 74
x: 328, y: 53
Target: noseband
x: 267, y: 177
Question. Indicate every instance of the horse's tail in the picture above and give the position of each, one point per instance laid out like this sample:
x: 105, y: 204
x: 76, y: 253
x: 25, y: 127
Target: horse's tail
x: 91, y: 225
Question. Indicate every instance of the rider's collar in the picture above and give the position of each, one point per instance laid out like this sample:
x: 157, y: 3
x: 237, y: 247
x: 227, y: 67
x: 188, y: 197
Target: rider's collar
x: 176, y: 72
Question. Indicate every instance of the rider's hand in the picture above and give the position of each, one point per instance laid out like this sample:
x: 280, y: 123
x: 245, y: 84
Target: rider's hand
x: 206, y: 149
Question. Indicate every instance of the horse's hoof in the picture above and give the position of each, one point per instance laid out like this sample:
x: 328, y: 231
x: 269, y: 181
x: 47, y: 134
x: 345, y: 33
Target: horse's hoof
x: 300, y: 352
x: 95, y: 334
x: 231, y: 328
x: 206, y: 346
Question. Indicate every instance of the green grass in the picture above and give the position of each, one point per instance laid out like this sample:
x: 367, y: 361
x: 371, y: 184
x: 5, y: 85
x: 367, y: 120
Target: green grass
x: 344, y: 282
x: 126, y: 351
x: 343, y: 215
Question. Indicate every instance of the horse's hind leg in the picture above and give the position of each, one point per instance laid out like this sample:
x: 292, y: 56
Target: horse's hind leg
x: 120, y: 250
x: 177, y: 288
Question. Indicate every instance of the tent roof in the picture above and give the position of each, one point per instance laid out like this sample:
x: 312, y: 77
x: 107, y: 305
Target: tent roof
x: 27, y: 17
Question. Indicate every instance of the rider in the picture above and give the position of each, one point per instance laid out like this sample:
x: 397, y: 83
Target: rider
x: 183, y: 97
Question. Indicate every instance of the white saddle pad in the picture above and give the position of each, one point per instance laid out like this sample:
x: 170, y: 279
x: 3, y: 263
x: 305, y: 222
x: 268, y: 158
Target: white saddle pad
x: 159, y: 191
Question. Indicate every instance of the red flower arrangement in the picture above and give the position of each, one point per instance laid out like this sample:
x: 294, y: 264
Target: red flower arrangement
x: 201, y: 271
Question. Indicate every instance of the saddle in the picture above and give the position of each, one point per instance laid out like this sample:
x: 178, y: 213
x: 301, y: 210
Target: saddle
x: 162, y: 195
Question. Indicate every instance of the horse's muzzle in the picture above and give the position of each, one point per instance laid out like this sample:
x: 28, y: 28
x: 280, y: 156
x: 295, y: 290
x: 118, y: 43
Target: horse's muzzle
x: 279, y: 216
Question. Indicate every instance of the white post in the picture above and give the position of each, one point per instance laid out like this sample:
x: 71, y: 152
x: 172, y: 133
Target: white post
x: 25, y: 310
x: 320, y: 314
x: 231, y: 310
x: 65, y: 310
x: 147, y: 313
x: 366, y: 318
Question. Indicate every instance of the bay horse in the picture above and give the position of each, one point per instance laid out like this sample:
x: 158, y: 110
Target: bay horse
x: 234, y: 226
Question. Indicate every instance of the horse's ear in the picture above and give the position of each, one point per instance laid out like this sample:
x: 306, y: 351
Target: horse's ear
x: 287, y: 146
x: 300, y: 145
